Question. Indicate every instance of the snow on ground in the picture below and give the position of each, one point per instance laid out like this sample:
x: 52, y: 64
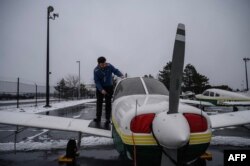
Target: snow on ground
x: 231, y: 141
x: 41, y: 108
x: 25, y: 101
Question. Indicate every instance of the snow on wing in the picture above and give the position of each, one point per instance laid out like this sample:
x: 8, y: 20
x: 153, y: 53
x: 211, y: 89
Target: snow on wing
x: 50, y: 122
x: 230, y: 119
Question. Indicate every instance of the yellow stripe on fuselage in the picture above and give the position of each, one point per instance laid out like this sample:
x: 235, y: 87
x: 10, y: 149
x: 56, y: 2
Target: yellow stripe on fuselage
x: 200, y: 138
x: 148, y: 139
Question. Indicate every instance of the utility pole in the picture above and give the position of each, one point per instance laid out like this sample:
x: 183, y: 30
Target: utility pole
x: 50, y: 10
x: 246, y: 59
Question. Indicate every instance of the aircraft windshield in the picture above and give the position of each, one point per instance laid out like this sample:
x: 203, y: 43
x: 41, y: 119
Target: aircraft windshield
x: 129, y: 86
x: 155, y: 87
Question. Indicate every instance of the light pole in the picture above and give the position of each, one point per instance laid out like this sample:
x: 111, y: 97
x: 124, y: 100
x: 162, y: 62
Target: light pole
x: 246, y: 59
x: 79, y: 86
x: 50, y: 10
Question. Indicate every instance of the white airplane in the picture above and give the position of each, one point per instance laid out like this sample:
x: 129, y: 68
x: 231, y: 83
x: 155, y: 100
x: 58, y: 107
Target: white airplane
x: 148, y: 122
x: 223, y: 97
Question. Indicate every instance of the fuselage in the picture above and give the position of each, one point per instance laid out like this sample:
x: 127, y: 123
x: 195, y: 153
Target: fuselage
x: 134, y: 110
x: 218, y: 96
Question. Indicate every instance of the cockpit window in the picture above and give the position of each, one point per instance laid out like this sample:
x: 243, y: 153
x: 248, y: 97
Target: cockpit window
x: 129, y: 86
x: 155, y: 87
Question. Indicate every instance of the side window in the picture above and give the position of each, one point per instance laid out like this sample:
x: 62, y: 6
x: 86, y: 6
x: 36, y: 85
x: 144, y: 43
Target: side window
x: 212, y: 94
x: 217, y: 95
x: 206, y: 93
x: 129, y: 86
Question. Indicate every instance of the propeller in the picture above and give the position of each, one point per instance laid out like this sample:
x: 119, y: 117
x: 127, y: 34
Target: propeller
x: 171, y: 129
x: 177, y: 69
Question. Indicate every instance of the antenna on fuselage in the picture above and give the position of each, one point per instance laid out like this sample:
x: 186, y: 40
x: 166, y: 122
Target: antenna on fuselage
x: 177, y: 69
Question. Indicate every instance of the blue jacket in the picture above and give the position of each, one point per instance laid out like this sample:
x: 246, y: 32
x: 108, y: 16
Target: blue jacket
x: 103, y: 77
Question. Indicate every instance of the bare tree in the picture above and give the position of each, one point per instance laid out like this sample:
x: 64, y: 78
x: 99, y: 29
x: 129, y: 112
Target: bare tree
x: 72, y: 82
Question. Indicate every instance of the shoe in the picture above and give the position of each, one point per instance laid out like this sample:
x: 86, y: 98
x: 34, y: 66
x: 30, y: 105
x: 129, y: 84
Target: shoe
x: 97, y: 120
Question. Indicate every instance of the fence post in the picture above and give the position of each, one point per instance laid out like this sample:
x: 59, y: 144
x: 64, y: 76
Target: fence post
x: 59, y: 93
x: 36, y: 95
x: 17, y: 103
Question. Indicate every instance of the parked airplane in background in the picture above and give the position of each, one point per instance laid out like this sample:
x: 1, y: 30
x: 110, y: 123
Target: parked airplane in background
x: 223, y: 97
x: 148, y: 122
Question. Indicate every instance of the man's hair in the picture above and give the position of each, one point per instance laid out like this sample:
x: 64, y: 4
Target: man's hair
x: 101, y: 60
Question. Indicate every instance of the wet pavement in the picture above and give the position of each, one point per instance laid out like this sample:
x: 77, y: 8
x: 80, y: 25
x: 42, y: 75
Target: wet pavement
x: 101, y: 155
x: 104, y: 155
x: 95, y: 156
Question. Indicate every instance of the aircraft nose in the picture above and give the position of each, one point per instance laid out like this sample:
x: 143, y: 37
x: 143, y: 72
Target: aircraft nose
x: 171, y: 130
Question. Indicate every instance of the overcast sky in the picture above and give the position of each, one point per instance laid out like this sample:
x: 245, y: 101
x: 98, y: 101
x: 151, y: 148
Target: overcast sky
x: 136, y: 36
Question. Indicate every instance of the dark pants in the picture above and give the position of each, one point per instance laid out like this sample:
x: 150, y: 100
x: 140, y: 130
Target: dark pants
x: 99, y: 102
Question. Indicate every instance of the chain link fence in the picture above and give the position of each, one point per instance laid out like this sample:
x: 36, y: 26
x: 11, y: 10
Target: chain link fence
x: 11, y: 91
x: 19, y: 90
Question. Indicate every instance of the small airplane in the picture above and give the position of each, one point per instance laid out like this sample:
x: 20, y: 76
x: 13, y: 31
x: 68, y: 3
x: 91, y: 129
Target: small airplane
x: 223, y: 97
x: 148, y: 122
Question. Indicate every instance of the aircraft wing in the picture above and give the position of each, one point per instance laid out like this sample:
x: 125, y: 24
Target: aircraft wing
x: 237, y: 103
x: 196, y: 103
x: 51, y: 122
x: 230, y: 119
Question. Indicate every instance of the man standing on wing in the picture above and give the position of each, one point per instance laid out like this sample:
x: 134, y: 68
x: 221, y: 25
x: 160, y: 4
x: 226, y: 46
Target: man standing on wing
x: 104, y: 87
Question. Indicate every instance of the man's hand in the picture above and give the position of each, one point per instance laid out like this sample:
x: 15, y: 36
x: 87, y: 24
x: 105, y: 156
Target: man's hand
x: 103, y: 92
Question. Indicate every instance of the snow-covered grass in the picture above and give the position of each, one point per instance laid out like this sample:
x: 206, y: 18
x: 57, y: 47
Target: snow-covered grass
x: 25, y: 101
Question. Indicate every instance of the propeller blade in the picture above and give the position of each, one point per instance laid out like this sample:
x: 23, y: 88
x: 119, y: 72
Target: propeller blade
x: 173, y: 157
x: 169, y: 157
x: 177, y: 69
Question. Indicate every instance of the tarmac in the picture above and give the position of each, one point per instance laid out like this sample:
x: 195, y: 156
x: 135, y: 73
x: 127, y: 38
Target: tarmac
x: 94, y: 156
